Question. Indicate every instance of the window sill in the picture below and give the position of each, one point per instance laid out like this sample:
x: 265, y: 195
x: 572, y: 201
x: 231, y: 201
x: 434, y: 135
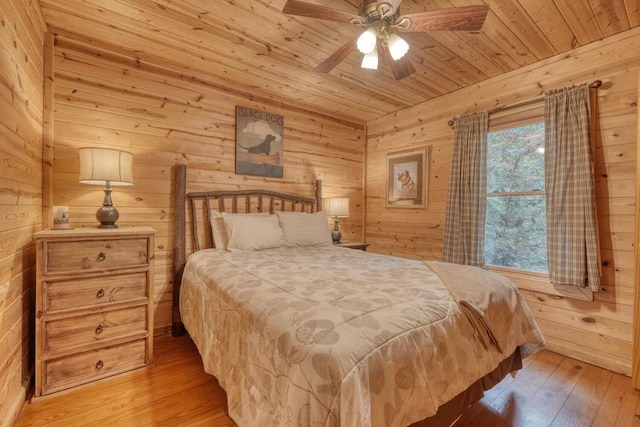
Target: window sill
x: 539, y: 282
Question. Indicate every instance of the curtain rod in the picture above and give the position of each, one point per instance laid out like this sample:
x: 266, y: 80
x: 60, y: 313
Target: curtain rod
x: 593, y: 85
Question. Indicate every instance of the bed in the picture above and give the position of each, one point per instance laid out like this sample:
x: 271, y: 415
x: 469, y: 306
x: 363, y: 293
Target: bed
x: 300, y: 332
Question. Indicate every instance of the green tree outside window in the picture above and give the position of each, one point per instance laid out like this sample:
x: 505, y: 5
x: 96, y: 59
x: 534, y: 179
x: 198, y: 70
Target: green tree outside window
x: 515, y: 228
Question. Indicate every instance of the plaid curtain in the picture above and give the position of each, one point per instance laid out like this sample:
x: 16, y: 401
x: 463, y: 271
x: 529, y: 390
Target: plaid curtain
x: 466, y: 201
x: 572, y: 236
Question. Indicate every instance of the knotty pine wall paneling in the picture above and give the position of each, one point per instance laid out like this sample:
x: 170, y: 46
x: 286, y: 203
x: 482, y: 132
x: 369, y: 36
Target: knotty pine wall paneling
x: 21, y: 108
x: 105, y: 97
x: 599, y: 332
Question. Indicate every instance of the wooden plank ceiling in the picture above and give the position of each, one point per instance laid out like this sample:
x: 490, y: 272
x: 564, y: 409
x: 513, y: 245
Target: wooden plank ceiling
x: 249, y: 45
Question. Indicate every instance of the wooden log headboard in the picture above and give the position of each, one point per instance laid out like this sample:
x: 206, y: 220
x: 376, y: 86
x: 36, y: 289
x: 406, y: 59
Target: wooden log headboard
x: 198, y: 224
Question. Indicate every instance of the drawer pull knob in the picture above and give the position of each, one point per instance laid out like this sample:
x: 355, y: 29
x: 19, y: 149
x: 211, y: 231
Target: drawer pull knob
x: 99, y: 364
x: 100, y: 293
x: 99, y: 330
x: 101, y: 257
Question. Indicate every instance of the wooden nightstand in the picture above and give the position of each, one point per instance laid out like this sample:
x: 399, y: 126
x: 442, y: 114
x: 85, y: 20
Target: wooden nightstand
x: 353, y: 245
x: 94, y: 305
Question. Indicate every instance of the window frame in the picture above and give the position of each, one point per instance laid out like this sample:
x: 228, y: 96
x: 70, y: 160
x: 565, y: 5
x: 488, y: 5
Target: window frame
x: 524, y: 279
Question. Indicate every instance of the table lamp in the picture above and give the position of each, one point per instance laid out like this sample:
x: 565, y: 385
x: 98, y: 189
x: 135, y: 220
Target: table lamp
x: 104, y: 166
x: 337, y: 207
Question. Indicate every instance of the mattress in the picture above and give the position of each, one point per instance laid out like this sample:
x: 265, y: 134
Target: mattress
x: 327, y: 336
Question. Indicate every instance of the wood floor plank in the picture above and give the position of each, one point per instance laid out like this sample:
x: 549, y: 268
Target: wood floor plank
x: 197, y: 406
x: 543, y: 406
x: 581, y: 406
x: 102, y: 401
x: 502, y: 409
x: 550, y: 390
x: 619, y: 405
x: 146, y: 394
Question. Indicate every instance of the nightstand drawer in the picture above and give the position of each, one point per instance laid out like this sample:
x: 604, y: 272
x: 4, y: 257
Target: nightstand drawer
x: 97, y: 255
x: 60, y: 374
x: 91, y: 291
x: 71, y: 332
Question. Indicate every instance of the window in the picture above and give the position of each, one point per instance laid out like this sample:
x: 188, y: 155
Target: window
x: 515, y: 224
x: 515, y: 227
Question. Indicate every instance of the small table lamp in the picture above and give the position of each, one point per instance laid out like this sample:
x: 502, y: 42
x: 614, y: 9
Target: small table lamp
x: 104, y: 166
x: 337, y: 207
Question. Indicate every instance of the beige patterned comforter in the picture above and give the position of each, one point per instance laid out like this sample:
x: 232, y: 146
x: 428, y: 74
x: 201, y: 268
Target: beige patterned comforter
x: 326, y: 336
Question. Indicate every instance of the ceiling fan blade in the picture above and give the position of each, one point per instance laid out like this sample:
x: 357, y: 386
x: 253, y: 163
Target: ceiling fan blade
x: 400, y: 68
x: 467, y: 18
x: 300, y: 8
x: 337, y: 57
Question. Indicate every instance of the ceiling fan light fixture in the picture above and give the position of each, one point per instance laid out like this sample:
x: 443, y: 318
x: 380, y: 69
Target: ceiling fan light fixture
x: 379, y: 19
x: 398, y: 47
x: 367, y: 41
x: 370, y: 60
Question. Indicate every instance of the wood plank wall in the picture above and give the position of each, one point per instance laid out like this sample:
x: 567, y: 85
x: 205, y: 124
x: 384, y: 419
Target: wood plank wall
x: 598, y: 332
x: 104, y: 97
x: 21, y: 106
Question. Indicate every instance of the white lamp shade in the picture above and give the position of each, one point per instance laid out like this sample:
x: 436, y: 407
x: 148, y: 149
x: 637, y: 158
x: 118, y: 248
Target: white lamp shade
x: 370, y: 60
x: 367, y: 41
x: 398, y: 47
x: 99, y: 165
x: 337, y: 206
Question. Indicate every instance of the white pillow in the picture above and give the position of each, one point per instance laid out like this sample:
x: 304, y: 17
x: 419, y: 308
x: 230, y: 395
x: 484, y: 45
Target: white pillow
x: 252, y: 232
x: 305, y: 229
x: 219, y: 231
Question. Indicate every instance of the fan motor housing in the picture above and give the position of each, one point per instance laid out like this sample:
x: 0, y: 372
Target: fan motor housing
x: 373, y: 13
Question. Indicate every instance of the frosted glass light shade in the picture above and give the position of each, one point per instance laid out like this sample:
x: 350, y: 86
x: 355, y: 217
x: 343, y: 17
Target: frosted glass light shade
x: 99, y: 165
x: 337, y: 206
x: 367, y: 41
x: 398, y: 47
x: 370, y: 60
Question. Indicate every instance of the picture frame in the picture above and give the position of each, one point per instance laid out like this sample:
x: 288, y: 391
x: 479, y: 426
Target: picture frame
x: 406, y: 179
x: 259, y: 143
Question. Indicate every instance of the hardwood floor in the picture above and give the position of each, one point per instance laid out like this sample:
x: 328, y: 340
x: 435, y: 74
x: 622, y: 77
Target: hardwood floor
x: 551, y: 390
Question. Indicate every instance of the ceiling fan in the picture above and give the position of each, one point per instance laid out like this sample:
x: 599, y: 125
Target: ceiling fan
x: 382, y: 21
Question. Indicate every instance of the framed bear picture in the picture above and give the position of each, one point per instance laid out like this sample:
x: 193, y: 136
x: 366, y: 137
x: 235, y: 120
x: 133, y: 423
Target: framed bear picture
x: 407, y: 173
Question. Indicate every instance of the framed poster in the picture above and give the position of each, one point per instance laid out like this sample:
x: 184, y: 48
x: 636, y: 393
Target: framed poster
x: 407, y: 173
x: 259, y: 143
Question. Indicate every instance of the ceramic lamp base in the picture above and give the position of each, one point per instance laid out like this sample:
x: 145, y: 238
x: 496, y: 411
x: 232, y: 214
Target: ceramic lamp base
x: 107, y: 215
x: 336, y: 235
